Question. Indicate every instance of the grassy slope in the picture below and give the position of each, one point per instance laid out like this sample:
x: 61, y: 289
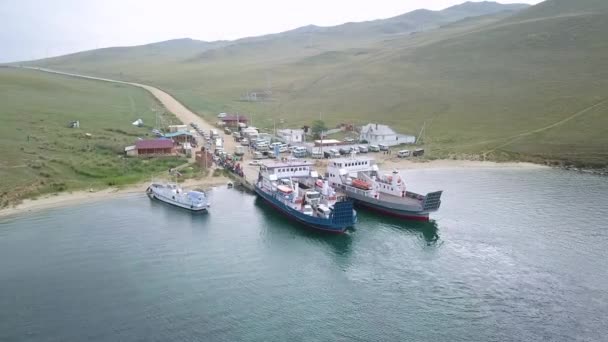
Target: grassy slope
x: 482, y: 85
x: 55, y: 157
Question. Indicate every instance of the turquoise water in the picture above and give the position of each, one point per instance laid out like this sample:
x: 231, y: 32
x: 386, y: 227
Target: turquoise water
x: 513, y: 255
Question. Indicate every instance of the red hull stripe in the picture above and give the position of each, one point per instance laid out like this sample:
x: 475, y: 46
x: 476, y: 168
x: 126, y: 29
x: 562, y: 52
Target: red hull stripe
x: 394, y: 214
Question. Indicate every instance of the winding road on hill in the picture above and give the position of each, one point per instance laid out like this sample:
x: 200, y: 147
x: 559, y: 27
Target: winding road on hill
x: 514, y: 138
x: 185, y: 115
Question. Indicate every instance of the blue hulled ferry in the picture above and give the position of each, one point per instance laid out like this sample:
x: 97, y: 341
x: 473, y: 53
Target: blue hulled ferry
x: 294, y: 189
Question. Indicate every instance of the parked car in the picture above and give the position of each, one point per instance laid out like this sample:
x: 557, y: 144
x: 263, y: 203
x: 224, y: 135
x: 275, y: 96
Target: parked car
x: 300, y: 152
x: 344, y: 151
x: 255, y: 162
x: 383, y: 147
x: 221, y: 115
x: 263, y: 147
x: 374, y: 148
x: 403, y: 154
x: 418, y: 152
x: 334, y: 153
x: 349, y: 140
x: 363, y: 149
x: 244, y: 142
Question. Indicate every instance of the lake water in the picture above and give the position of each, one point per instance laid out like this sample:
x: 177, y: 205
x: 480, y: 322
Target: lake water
x: 513, y: 255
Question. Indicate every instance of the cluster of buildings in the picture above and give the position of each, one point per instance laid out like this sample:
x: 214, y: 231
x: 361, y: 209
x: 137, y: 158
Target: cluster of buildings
x: 181, y: 140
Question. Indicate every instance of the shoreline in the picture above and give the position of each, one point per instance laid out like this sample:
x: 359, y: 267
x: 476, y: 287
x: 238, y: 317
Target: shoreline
x: 66, y: 199
x: 439, y: 164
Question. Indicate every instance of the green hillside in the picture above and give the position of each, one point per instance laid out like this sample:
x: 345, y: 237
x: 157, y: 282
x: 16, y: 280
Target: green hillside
x: 508, y: 85
x: 40, y: 154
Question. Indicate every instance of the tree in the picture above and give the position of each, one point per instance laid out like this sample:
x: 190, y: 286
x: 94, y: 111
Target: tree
x: 318, y: 126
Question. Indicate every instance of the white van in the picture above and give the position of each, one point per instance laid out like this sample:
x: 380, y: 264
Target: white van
x: 239, y: 151
x: 374, y: 148
x: 323, y: 211
x: 403, y: 154
x: 383, y: 147
x: 300, y: 152
x: 317, y: 154
x: 308, y: 210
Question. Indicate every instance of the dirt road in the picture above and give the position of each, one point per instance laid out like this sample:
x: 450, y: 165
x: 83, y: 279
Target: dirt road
x: 185, y: 115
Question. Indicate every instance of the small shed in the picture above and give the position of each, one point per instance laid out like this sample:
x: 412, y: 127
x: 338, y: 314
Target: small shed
x: 155, y: 147
x: 180, y: 136
x: 234, y: 120
x: 291, y: 135
x: 131, y: 150
x: 178, y: 128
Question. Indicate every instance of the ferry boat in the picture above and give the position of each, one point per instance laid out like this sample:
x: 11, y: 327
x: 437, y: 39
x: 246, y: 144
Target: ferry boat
x: 289, y: 187
x: 360, y: 179
x: 173, y: 194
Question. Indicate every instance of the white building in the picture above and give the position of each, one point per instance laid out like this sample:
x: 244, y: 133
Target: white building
x: 290, y: 136
x: 381, y: 134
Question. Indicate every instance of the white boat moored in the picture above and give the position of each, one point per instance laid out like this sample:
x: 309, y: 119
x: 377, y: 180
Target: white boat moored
x: 171, y: 193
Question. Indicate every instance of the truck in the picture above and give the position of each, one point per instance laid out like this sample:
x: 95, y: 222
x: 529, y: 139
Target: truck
x: 418, y: 152
x: 239, y: 150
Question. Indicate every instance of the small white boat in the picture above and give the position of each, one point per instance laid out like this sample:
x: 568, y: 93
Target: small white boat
x: 171, y: 193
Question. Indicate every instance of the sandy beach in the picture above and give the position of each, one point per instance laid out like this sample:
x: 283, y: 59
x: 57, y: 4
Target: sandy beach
x: 78, y: 197
x: 404, y: 164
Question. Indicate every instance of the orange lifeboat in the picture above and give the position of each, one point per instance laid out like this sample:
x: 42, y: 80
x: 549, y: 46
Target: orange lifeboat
x: 361, y: 184
x: 284, y: 189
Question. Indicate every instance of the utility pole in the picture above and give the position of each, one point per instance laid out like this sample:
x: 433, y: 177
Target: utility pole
x: 420, y: 138
x: 321, y: 132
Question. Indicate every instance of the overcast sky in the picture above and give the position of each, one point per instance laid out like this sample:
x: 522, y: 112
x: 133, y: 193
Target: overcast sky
x: 31, y: 29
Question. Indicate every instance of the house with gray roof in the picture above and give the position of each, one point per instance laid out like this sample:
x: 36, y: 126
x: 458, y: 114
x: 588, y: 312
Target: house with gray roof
x: 382, y: 134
